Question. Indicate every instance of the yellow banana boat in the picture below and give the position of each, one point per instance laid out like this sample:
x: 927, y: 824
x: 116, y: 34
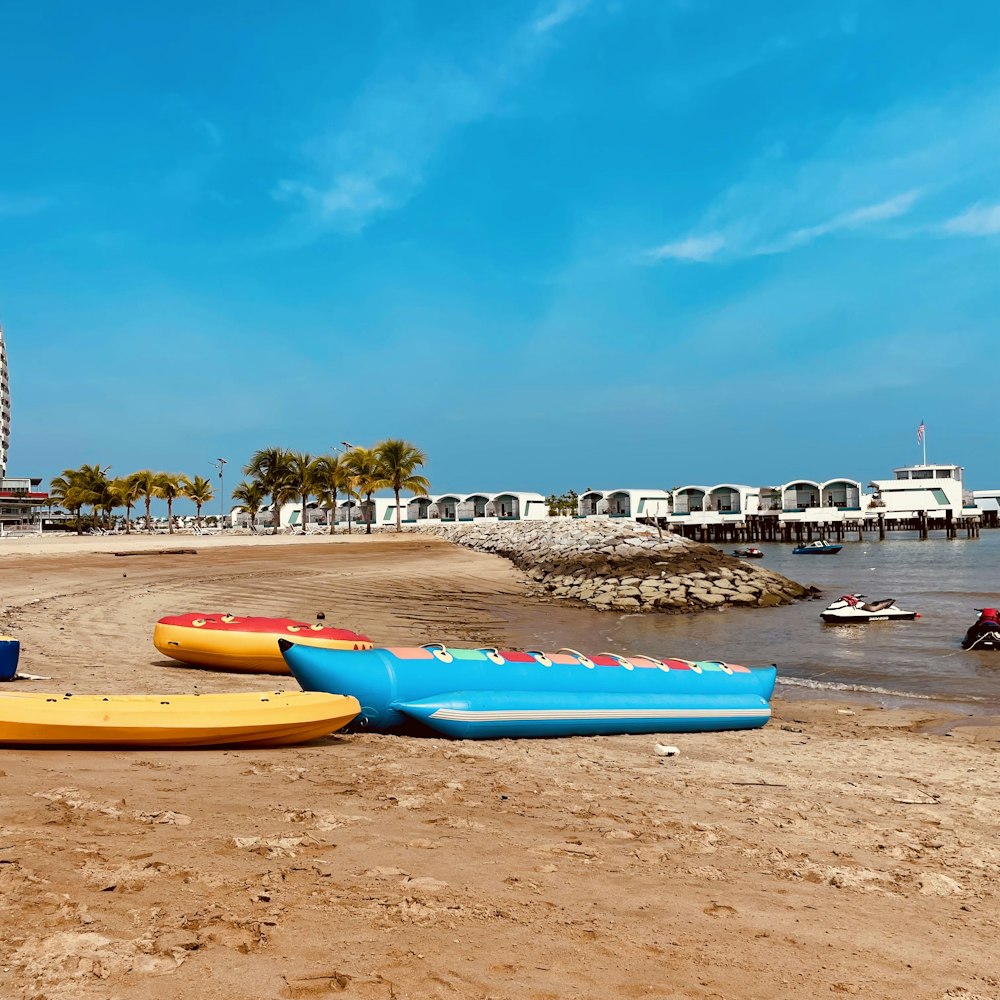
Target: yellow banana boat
x: 246, y: 644
x: 260, y: 719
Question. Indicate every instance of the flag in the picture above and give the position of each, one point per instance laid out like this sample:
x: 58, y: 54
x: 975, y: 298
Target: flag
x: 920, y: 433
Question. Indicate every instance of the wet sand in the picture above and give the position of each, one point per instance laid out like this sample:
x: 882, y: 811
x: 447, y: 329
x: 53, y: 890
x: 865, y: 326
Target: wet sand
x: 842, y: 849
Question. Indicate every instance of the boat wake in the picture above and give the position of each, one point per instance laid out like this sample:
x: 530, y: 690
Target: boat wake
x: 806, y: 682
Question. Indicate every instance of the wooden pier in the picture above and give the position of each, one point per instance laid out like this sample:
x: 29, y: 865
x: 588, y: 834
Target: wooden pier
x: 766, y: 527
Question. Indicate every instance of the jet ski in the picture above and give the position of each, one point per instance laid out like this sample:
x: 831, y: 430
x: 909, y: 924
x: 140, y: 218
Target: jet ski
x: 853, y: 609
x: 985, y: 633
x: 749, y: 553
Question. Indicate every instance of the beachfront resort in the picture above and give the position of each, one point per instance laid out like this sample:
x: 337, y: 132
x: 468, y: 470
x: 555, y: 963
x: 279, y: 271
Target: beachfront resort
x: 923, y: 496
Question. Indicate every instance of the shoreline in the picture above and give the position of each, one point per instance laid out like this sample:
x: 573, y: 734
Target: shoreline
x: 128, y: 548
x: 841, y: 848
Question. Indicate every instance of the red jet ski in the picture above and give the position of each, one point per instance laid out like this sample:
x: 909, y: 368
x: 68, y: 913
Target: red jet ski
x: 985, y: 634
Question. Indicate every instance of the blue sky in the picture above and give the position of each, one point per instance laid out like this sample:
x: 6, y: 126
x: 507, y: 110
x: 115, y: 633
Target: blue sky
x: 556, y: 244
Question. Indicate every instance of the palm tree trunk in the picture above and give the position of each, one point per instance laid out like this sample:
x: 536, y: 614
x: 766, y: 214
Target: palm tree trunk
x: 149, y: 523
x: 276, y: 520
x: 368, y: 513
x: 333, y: 510
x: 170, y: 516
x: 305, y: 499
x: 399, y: 522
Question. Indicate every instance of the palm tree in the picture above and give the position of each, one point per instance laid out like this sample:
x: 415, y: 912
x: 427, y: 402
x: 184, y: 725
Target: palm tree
x: 169, y: 486
x: 130, y: 490
x: 145, y: 484
x: 67, y: 490
x: 249, y: 497
x: 269, y: 467
x: 93, y: 482
x: 349, y: 491
x: 200, y: 491
x: 398, y: 461
x: 328, y: 481
x: 366, y: 476
x: 111, y: 497
x: 302, y: 479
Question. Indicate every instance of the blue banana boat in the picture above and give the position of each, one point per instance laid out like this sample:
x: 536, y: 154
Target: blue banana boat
x: 489, y: 693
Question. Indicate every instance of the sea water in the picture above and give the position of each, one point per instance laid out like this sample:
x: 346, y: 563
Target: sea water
x: 945, y: 581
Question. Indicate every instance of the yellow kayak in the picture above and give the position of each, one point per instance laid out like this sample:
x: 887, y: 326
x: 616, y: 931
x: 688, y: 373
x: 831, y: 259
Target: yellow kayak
x: 259, y: 719
x: 241, y: 643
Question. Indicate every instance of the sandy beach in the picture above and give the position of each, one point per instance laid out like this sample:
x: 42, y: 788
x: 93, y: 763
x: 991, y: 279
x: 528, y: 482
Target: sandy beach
x: 842, y: 850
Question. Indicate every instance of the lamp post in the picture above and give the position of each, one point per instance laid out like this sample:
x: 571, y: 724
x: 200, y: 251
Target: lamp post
x: 349, y: 447
x: 220, y: 464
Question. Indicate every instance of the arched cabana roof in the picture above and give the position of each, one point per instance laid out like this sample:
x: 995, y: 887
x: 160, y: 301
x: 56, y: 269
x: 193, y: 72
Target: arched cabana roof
x: 689, y: 499
x: 727, y: 498
x: 801, y: 494
x: 476, y: 496
x: 690, y: 489
x: 514, y: 505
x: 844, y: 493
x: 516, y: 495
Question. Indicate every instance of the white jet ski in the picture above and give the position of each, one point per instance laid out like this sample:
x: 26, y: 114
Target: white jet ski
x: 853, y: 609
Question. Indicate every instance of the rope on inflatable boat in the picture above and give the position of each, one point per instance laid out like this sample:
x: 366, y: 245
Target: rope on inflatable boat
x: 585, y: 660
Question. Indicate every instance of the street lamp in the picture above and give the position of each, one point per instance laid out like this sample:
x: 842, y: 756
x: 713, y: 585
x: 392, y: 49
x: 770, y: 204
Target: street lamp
x: 349, y: 447
x: 220, y: 464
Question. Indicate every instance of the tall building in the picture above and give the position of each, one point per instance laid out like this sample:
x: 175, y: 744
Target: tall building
x: 20, y: 501
x: 4, y: 408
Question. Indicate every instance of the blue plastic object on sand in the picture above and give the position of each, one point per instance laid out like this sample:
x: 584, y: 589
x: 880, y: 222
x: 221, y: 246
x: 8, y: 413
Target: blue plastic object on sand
x: 10, y: 650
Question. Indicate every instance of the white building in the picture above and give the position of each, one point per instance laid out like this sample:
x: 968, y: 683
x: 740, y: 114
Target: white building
x: 987, y: 501
x: 720, y: 504
x: 810, y: 500
x: 624, y: 503
x: 916, y: 489
x: 506, y: 506
x: 4, y: 408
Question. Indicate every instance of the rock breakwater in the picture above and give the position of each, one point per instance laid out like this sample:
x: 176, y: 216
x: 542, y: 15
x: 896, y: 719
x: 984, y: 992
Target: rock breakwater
x: 624, y: 566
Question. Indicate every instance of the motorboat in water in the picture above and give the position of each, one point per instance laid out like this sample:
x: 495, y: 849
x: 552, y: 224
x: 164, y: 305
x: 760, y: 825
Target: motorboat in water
x: 751, y: 552
x: 817, y: 548
x: 985, y: 633
x: 853, y: 609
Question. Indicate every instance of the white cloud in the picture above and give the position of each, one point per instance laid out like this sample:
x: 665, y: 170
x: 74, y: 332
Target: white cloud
x: 890, y: 208
x: 980, y: 220
x: 380, y: 154
x: 709, y: 246
x: 693, y: 248
x: 563, y: 11
x: 865, y: 174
